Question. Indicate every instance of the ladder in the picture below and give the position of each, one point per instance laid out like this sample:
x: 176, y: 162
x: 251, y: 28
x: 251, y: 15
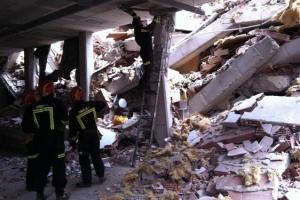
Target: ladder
x: 140, y: 128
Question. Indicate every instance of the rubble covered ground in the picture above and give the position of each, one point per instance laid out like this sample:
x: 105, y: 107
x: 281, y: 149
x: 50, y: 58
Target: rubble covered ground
x: 241, y: 143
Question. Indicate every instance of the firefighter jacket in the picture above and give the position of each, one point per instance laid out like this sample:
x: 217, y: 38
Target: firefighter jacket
x: 83, y: 117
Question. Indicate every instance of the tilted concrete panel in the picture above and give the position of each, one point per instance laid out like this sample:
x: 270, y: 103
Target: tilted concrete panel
x: 240, y: 69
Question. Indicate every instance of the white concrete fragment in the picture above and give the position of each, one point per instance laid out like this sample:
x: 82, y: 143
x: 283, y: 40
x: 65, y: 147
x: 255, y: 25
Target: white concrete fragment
x: 266, y: 143
x: 231, y: 120
x: 237, y: 152
x: 131, y: 45
x: 108, y: 137
x: 270, y: 129
x: 246, y: 104
x: 252, y: 147
x: 278, y: 110
x: 194, y: 137
x: 292, y: 194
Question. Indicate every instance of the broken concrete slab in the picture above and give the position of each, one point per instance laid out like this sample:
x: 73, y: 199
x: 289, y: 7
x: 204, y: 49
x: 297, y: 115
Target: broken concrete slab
x: 239, y: 70
x: 270, y: 129
x: 252, y: 147
x: 237, y: 152
x: 230, y: 136
x: 232, y: 120
x: 275, y: 110
x: 206, y: 37
x: 246, y: 104
x: 276, y: 161
x: 266, y: 143
x: 288, y: 53
x: 292, y: 194
x: 260, y: 195
x: 236, y: 183
x: 270, y: 83
x: 194, y: 137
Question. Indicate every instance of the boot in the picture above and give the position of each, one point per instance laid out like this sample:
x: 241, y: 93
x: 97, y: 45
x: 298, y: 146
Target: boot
x: 63, y: 196
x: 40, y: 196
x: 83, y: 184
x: 102, y: 179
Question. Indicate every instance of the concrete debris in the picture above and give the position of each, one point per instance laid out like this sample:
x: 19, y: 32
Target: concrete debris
x: 239, y: 70
x: 247, y: 104
x: 252, y: 147
x: 275, y: 110
x: 237, y: 152
x: 270, y: 83
x: 266, y: 143
x: 232, y: 120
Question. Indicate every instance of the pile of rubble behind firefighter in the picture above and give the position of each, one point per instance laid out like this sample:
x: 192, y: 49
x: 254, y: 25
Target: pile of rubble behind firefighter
x: 244, y: 145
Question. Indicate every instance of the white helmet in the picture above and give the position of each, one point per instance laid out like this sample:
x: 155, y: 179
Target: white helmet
x: 122, y: 103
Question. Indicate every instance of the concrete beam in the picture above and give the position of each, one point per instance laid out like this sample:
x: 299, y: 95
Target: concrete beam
x: 239, y: 70
x: 288, y: 53
x: 30, y: 68
x: 181, y: 6
x: 86, y: 62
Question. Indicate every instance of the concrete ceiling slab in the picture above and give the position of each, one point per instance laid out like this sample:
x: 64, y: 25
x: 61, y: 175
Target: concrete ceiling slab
x: 35, y: 22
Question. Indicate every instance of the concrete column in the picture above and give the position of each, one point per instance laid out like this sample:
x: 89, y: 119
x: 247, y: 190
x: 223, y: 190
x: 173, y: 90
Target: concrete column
x: 162, y: 121
x: 30, y: 68
x: 86, y: 62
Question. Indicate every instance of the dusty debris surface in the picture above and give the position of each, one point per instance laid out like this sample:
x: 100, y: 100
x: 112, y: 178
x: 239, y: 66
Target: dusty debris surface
x: 12, y: 176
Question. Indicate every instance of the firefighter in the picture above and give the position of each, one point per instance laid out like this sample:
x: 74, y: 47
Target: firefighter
x: 143, y: 37
x: 49, y: 115
x: 82, y: 123
x: 29, y: 99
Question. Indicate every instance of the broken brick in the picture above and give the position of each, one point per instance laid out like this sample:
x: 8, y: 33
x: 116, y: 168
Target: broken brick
x: 283, y: 146
x: 229, y: 146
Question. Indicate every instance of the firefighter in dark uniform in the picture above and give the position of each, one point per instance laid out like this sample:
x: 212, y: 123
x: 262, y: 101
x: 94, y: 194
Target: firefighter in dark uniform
x: 41, y: 53
x: 143, y: 37
x: 49, y: 115
x: 82, y: 124
x: 29, y: 100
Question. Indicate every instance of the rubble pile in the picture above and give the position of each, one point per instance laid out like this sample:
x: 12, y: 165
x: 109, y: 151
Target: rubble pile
x: 250, y: 151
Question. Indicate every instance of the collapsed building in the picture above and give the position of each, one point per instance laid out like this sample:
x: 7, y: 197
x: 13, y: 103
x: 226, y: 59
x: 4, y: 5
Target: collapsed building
x: 223, y: 122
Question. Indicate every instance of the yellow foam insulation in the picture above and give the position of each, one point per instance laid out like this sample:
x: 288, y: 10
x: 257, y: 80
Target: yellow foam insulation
x: 221, y: 197
x: 169, y: 195
x: 273, y: 176
x: 195, y: 122
x: 252, y: 175
x: 130, y: 178
x: 150, y: 195
x: 114, y: 198
x: 295, y: 154
x: 291, y: 14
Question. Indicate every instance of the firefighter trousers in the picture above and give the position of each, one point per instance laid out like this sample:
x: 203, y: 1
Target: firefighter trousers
x: 88, y: 146
x: 56, y: 160
x: 32, y: 166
